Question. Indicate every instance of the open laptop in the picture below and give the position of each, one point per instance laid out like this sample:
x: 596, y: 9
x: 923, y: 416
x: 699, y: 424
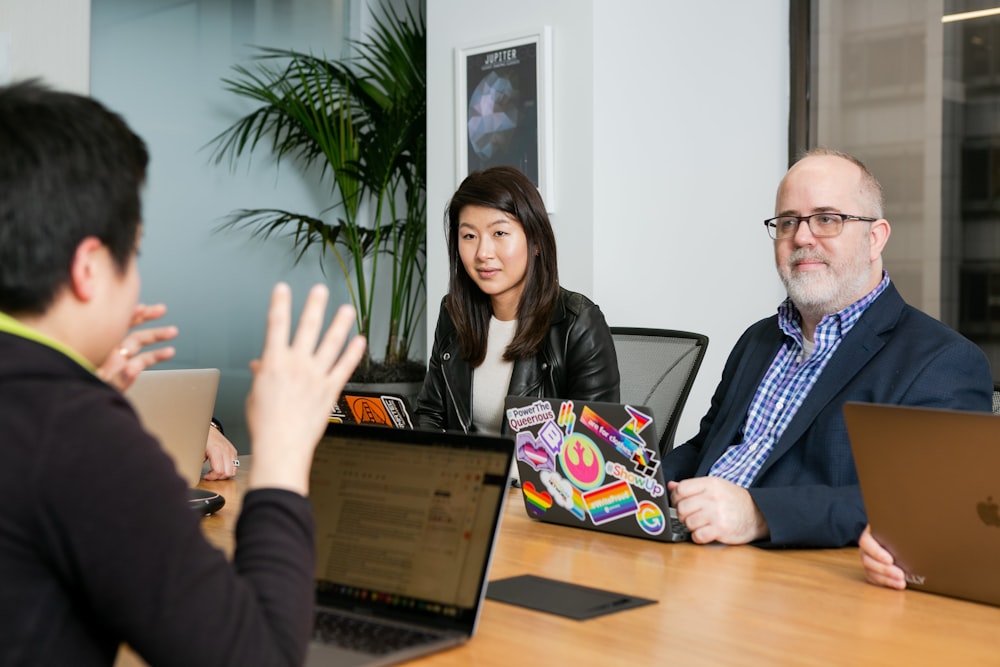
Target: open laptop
x: 930, y: 480
x: 592, y: 465
x: 176, y: 406
x: 406, y: 522
x: 376, y: 408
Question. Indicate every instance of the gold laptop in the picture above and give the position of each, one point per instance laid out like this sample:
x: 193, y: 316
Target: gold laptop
x: 930, y: 480
x: 176, y: 407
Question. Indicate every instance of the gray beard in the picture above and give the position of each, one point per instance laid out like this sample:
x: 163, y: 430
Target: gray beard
x: 817, y: 296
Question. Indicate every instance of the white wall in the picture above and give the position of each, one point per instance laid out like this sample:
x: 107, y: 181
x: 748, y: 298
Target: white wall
x: 670, y: 138
x: 48, y: 39
x: 455, y: 24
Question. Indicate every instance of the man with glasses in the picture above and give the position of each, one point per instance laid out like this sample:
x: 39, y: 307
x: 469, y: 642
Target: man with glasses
x: 772, y: 462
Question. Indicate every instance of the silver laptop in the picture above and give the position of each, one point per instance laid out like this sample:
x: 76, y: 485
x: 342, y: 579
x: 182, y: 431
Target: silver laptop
x: 592, y: 465
x: 406, y: 522
x: 930, y: 480
x: 176, y: 407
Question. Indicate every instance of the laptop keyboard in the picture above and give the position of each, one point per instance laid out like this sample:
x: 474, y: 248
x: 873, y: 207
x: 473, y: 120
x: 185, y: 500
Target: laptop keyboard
x: 677, y: 527
x: 365, y: 635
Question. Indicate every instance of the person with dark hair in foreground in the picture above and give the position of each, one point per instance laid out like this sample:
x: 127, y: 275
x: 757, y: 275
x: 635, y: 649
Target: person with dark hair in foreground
x: 506, y: 327
x: 97, y: 544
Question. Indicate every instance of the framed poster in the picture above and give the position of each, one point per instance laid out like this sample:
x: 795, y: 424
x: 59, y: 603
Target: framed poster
x: 504, y: 110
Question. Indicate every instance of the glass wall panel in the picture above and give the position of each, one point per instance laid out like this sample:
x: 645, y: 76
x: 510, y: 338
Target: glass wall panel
x: 160, y: 63
x: 913, y: 89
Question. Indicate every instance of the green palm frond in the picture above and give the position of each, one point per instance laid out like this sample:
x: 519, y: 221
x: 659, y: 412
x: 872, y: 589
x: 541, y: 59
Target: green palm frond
x: 362, y: 121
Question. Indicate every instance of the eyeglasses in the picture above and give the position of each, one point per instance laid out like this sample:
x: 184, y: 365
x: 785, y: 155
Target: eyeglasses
x: 820, y: 224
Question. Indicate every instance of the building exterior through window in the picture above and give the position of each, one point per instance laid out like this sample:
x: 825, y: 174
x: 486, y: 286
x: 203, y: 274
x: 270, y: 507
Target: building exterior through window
x: 912, y: 87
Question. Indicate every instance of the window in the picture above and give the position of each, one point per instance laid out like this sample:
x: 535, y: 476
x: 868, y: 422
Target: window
x: 917, y: 98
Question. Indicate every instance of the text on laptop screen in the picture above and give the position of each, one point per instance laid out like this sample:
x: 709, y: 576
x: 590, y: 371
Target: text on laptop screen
x: 401, y: 525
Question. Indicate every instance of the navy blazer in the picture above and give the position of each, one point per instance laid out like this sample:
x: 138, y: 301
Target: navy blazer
x: 808, y: 489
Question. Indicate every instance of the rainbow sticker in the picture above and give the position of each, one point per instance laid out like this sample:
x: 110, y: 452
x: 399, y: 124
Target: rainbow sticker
x: 579, y: 508
x: 533, y: 452
x: 650, y: 518
x: 627, y: 441
x: 566, y: 416
x: 636, y: 423
x: 610, y: 502
x: 537, y: 502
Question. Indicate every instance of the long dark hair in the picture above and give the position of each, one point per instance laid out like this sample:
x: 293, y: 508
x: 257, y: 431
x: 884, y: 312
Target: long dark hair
x: 504, y: 189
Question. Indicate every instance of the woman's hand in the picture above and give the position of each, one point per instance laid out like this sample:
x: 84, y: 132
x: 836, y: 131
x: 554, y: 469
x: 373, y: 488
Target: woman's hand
x: 221, y: 456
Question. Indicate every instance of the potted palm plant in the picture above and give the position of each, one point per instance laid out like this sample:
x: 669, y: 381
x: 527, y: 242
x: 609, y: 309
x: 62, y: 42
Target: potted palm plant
x: 363, y: 121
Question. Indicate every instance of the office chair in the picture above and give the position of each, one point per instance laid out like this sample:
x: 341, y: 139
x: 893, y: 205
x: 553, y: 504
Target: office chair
x: 996, y: 398
x: 658, y: 367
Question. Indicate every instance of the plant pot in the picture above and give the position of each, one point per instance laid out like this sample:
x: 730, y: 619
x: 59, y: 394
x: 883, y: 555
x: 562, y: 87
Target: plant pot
x: 408, y: 390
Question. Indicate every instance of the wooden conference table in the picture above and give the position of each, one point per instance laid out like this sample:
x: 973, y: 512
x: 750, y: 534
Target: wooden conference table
x: 717, y: 605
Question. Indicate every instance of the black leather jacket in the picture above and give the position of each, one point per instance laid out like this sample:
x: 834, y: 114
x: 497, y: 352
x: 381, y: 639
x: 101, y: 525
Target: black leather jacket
x: 577, y: 361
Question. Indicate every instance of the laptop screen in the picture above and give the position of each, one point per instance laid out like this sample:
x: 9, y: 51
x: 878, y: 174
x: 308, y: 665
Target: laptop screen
x: 405, y: 520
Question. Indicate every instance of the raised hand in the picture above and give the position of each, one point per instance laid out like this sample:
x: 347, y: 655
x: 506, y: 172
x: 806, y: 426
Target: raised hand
x: 295, y: 386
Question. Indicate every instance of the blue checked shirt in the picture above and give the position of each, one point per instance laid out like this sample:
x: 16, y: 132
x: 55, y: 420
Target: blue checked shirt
x: 785, y: 386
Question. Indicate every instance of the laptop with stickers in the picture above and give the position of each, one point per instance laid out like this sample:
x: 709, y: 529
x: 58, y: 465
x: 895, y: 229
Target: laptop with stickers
x: 406, y: 521
x: 591, y: 465
x: 930, y: 480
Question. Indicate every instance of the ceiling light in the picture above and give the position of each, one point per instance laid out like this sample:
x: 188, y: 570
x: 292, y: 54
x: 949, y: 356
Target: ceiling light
x: 965, y: 16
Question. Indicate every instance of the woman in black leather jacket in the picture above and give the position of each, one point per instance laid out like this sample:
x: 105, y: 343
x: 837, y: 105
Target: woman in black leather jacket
x: 506, y: 327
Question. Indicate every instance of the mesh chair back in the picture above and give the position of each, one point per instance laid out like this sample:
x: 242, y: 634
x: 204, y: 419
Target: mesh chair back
x: 996, y: 399
x: 658, y: 367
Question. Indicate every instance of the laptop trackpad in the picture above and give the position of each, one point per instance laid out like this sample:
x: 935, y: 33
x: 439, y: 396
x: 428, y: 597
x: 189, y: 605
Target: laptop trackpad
x: 324, y: 655
x: 346, y: 639
x: 329, y: 655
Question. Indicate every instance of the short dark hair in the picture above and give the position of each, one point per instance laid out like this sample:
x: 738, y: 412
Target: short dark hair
x: 505, y: 189
x: 69, y: 169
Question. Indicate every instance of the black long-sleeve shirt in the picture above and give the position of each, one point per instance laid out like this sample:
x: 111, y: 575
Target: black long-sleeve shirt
x: 98, y: 546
